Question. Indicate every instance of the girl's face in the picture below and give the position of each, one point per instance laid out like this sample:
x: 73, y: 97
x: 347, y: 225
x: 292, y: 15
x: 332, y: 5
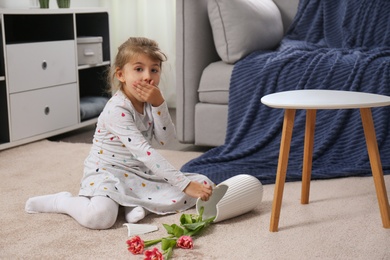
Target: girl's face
x: 140, y: 68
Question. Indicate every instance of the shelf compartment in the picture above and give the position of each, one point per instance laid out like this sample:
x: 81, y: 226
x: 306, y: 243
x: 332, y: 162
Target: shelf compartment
x: 93, y: 82
x: 4, y: 126
x: 38, y: 28
x: 95, y: 24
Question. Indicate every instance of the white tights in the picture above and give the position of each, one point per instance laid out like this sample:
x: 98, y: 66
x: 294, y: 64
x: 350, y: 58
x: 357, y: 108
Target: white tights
x: 95, y: 213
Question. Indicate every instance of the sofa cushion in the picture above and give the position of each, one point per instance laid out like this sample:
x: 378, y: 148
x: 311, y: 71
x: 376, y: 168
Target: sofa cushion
x: 214, y: 83
x: 210, y: 124
x: 91, y: 106
x: 243, y: 26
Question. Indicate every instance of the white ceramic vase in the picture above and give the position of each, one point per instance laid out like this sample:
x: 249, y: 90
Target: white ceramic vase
x: 233, y: 197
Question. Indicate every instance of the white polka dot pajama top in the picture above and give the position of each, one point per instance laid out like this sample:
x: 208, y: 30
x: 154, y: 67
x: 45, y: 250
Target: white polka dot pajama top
x: 123, y: 166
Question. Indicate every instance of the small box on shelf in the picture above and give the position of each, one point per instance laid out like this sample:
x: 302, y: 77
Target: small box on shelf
x: 89, y: 50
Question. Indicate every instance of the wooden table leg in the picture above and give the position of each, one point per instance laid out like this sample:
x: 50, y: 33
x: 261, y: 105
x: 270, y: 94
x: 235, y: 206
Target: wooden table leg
x: 288, y: 125
x: 308, y: 154
x: 376, y: 165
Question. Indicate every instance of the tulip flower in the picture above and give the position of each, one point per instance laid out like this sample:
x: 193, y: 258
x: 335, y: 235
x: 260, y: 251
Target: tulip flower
x: 185, y: 242
x: 179, y: 236
x: 135, y: 245
x: 153, y: 254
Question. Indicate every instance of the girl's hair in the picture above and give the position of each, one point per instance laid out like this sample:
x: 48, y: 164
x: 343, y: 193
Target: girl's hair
x: 128, y: 50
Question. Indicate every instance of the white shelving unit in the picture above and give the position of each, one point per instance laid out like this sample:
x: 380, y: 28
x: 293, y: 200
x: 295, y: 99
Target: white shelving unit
x: 40, y: 82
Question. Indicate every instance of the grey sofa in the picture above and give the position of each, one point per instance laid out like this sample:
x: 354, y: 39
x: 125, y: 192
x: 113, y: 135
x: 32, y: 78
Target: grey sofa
x: 202, y: 78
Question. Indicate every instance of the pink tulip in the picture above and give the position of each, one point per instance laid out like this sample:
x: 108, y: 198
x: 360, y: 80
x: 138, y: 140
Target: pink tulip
x: 153, y: 254
x: 135, y: 245
x: 185, y: 242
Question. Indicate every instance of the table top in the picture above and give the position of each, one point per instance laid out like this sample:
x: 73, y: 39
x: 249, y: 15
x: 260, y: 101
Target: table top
x: 324, y: 99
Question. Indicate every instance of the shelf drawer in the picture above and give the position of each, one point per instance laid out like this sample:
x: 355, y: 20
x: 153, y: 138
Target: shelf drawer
x: 38, y: 65
x: 44, y: 110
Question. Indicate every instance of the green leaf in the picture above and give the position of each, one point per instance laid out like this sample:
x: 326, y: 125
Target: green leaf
x: 168, y: 228
x: 195, y: 228
x: 209, y: 220
x: 168, y: 253
x: 194, y: 225
x: 201, y: 210
x: 189, y: 219
x: 174, y: 230
x: 167, y: 243
x: 186, y: 219
x: 177, y: 231
x: 194, y: 232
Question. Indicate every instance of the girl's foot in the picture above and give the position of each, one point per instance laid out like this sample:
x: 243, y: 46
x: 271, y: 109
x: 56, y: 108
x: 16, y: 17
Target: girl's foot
x: 133, y: 215
x: 45, y: 203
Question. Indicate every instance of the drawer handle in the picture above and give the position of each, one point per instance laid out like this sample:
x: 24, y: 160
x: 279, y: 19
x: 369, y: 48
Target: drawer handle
x: 47, y: 110
x: 88, y: 52
x: 44, y: 65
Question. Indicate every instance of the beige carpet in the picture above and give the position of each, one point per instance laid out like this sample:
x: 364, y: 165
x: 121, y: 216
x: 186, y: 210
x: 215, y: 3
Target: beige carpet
x: 341, y: 222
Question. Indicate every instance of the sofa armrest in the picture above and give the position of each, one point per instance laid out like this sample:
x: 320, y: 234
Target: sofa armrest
x: 194, y: 51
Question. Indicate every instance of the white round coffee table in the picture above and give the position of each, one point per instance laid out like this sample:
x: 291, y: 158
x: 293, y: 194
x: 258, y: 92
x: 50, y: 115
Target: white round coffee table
x: 311, y: 101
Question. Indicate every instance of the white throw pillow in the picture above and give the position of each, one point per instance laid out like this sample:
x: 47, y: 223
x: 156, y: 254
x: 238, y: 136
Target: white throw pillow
x: 243, y: 26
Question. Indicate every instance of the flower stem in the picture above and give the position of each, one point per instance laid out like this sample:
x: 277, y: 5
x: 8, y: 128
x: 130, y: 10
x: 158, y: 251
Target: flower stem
x: 168, y: 253
x: 152, y: 242
x: 149, y: 243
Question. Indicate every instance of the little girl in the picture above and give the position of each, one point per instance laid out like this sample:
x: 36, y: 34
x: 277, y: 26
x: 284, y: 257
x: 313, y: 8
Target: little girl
x: 122, y: 168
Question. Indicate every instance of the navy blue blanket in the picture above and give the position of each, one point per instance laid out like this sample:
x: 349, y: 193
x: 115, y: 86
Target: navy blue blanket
x: 341, y: 45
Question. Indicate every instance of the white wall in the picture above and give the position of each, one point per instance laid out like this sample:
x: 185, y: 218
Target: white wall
x: 153, y: 19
